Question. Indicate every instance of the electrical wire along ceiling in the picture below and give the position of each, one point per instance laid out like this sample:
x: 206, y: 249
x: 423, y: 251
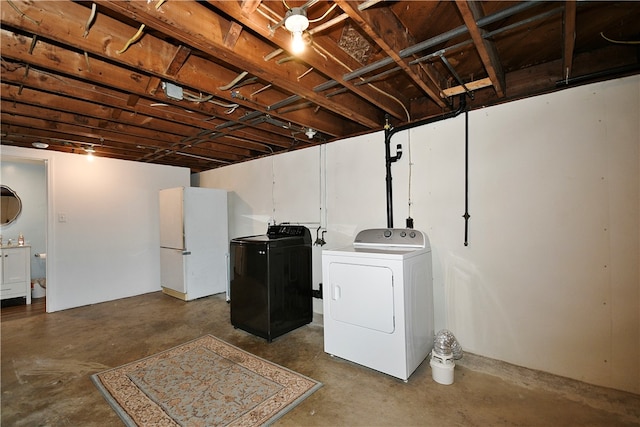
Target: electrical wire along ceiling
x: 206, y: 84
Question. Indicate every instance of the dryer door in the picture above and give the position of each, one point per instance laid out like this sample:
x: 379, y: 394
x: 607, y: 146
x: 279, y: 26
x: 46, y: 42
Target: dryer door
x: 362, y: 295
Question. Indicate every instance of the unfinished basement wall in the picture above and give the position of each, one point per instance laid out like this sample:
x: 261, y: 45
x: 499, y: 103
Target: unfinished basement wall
x: 550, y: 279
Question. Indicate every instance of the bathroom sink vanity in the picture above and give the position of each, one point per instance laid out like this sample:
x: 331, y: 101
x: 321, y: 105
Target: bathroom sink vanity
x: 15, y: 272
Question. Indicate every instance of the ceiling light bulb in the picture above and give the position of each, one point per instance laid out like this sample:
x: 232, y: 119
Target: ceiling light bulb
x: 90, y: 152
x: 297, y: 43
x: 296, y: 22
x: 310, y: 133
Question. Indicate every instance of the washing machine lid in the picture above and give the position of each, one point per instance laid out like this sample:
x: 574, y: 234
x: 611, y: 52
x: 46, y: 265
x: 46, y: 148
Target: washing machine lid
x: 402, y: 239
x: 261, y: 238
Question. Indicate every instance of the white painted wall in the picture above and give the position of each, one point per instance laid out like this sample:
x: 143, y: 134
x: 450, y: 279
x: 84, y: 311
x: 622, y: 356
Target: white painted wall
x: 283, y: 188
x: 550, y: 279
x: 108, y: 247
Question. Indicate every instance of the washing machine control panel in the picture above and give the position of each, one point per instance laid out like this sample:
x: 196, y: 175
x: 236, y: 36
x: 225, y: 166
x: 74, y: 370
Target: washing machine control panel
x: 391, y: 237
x: 288, y: 230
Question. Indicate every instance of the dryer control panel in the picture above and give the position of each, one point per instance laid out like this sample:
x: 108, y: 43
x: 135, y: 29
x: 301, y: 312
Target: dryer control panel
x: 391, y: 237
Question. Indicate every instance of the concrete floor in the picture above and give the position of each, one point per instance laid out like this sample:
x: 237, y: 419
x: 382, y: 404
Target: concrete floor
x: 47, y: 360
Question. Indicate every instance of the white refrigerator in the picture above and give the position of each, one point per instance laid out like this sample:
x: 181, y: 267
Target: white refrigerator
x: 194, y: 242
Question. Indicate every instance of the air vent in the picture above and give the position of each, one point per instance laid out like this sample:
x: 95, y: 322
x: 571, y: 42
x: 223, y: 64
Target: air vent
x: 355, y: 44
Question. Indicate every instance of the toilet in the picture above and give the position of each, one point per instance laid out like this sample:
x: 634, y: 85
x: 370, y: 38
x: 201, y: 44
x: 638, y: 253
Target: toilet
x: 38, y: 288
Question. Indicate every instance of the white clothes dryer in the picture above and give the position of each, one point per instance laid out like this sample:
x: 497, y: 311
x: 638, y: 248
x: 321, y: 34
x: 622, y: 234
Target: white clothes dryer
x: 378, y: 300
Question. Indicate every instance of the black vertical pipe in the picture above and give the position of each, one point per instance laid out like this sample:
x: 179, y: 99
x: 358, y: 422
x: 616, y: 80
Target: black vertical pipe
x: 389, y: 131
x: 466, y: 215
x: 388, y: 178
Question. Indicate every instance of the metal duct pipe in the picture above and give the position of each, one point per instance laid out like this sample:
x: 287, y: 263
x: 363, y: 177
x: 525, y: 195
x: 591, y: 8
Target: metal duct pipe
x: 619, y: 72
x: 389, y: 131
x: 445, y: 344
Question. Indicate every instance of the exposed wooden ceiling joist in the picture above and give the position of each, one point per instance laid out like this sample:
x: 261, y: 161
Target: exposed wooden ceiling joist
x: 203, y: 84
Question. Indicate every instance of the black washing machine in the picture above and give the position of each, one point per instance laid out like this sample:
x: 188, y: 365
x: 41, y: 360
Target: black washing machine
x: 270, y: 284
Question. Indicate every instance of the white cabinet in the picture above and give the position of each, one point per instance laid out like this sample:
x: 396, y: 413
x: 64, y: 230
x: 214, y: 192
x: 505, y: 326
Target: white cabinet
x: 15, y: 272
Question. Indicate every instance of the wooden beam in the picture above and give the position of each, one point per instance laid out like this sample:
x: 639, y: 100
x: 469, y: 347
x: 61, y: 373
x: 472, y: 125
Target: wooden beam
x: 117, y: 102
x: 333, y: 65
x: 569, y: 37
x: 149, y: 56
x: 46, y: 118
x: 471, y: 12
x: 178, y: 60
x: 153, y: 85
x: 250, y: 6
x: 153, y: 57
x: 246, y: 55
x: 232, y: 35
x: 133, y: 100
x: 391, y: 36
x: 144, y: 115
x: 474, y: 85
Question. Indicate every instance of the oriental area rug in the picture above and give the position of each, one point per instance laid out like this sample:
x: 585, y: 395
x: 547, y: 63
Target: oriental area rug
x: 204, y: 382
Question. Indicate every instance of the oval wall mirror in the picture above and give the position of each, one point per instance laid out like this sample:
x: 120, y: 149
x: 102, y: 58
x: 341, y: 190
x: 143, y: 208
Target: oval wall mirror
x: 10, y: 205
